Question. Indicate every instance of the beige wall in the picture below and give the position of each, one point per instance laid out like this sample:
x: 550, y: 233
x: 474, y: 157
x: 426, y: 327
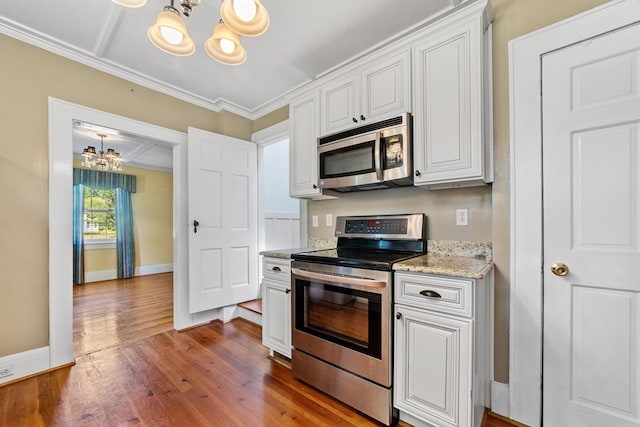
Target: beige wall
x: 28, y: 76
x: 152, y: 223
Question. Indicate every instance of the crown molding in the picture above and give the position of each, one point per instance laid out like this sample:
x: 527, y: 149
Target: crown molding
x: 34, y: 38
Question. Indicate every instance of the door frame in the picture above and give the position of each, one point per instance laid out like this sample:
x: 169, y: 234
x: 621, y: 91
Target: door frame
x: 61, y: 116
x: 526, y: 232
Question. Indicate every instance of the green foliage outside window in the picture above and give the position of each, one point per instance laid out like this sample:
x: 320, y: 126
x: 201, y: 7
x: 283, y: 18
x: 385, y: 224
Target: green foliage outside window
x: 99, y: 214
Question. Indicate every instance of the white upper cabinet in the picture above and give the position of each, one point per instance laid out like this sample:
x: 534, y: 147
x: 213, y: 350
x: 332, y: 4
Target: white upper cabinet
x: 450, y: 109
x: 378, y: 89
x: 303, y: 152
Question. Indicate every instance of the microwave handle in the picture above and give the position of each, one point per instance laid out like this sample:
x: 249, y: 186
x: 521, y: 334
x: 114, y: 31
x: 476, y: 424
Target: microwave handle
x: 329, y: 278
x: 377, y: 160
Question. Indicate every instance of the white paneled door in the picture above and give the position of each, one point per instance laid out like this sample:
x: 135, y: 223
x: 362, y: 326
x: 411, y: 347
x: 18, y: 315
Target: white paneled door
x: 591, y: 151
x: 223, y: 252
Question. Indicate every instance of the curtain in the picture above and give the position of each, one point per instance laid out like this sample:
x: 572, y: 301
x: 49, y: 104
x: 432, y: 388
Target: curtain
x: 124, y: 234
x: 123, y: 185
x: 78, y: 241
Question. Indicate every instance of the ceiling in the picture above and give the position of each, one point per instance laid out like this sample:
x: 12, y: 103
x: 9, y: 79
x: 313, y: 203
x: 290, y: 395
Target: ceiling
x: 305, y: 40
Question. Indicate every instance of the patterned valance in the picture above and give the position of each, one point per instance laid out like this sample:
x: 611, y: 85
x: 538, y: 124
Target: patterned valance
x: 104, y: 180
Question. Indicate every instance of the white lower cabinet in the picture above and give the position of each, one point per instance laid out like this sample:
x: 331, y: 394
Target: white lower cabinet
x: 441, y: 363
x: 276, y: 306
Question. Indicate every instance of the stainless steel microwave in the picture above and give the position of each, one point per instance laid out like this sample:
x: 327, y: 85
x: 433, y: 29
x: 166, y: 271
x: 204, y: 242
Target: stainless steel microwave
x: 373, y: 156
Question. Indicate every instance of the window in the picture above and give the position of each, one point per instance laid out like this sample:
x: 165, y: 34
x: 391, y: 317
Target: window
x: 99, y: 224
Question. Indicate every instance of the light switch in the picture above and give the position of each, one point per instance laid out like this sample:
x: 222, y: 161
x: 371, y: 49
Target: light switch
x: 329, y: 220
x: 314, y: 221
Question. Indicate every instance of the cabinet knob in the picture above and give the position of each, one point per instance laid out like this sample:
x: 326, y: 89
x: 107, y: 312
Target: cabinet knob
x: 417, y: 172
x: 286, y: 291
x: 398, y: 315
x: 354, y: 120
x: 362, y: 117
x: 315, y: 187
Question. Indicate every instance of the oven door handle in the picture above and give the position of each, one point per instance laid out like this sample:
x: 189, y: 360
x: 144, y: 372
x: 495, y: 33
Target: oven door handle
x: 329, y: 278
x: 377, y: 159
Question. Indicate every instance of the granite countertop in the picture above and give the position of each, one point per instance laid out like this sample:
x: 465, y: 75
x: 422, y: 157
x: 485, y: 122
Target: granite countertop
x: 447, y: 265
x: 283, y: 253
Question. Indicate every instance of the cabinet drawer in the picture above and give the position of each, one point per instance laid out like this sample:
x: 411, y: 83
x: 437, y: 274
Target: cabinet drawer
x: 452, y: 296
x: 277, y: 269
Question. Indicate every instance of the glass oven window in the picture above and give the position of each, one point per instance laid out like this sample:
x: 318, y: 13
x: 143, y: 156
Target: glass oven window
x: 348, y: 161
x: 344, y: 316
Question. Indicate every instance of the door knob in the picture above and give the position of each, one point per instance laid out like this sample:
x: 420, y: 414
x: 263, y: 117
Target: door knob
x: 560, y: 269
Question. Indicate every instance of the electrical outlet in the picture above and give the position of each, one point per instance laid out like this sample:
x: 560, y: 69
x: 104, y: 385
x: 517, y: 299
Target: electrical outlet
x: 314, y: 221
x: 329, y: 220
x: 462, y: 217
x: 7, y: 371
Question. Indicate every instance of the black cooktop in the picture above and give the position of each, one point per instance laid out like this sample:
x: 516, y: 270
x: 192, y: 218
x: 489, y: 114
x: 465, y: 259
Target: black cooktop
x: 376, y: 260
x: 374, y: 242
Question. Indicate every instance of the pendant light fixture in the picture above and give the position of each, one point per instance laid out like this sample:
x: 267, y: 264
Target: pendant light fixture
x: 239, y: 17
x: 130, y: 3
x: 169, y: 33
x: 224, y: 46
x: 245, y: 17
x: 109, y: 161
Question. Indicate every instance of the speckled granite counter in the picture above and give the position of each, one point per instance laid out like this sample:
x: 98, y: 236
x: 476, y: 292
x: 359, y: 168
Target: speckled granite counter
x: 283, y: 253
x: 446, y: 265
x: 452, y: 258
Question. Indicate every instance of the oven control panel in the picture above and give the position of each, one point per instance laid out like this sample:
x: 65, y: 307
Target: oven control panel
x: 376, y: 226
x: 409, y: 226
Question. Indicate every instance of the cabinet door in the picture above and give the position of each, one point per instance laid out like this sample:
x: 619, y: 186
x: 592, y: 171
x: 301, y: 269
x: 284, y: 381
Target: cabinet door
x: 386, y: 88
x: 339, y: 106
x: 276, y: 317
x: 303, y: 162
x: 433, y: 367
x: 448, y: 73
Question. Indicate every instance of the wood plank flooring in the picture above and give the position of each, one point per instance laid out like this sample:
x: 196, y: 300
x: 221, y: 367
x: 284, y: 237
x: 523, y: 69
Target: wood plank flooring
x: 114, y: 312
x: 212, y: 375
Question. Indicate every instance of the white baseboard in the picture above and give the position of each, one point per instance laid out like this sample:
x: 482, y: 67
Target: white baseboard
x: 500, y: 398
x: 144, y: 270
x: 24, y: 364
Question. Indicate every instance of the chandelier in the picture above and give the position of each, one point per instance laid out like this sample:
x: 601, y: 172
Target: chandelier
x: 238, y: 18
x: 109, y: 161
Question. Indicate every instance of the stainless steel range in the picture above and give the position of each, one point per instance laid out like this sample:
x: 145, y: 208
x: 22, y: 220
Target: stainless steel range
x: 341, y: 309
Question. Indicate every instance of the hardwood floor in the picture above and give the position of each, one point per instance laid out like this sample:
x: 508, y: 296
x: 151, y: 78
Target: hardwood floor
x: 212, y: 375
x: 114, y: 312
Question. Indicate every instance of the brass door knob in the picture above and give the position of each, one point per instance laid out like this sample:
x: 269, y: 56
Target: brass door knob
x: 560, y: 269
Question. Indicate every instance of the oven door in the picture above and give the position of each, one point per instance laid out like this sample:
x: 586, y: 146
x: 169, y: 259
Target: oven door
x: 342, y: 315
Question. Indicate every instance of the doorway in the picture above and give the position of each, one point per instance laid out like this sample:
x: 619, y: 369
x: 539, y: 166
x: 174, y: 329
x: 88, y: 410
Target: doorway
x: 527, y: 264
x: 62, y: 115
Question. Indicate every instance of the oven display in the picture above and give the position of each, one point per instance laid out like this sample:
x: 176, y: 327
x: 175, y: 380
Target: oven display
x: 376, y: 226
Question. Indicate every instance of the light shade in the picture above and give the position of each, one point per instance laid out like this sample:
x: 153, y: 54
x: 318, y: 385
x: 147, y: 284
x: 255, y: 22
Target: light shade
x: 219, y: 46
x: 252, y: 28
x: 169, y: 21
x: 130, y: 3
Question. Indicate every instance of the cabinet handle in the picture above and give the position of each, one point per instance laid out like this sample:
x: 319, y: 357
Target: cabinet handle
x: 354, y: 120
x: 398, y: 315
x: 362, y: 117
x: 430, y: 294
x: 417, y: 173
x: 286, y: 291
x: 276, y: 268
